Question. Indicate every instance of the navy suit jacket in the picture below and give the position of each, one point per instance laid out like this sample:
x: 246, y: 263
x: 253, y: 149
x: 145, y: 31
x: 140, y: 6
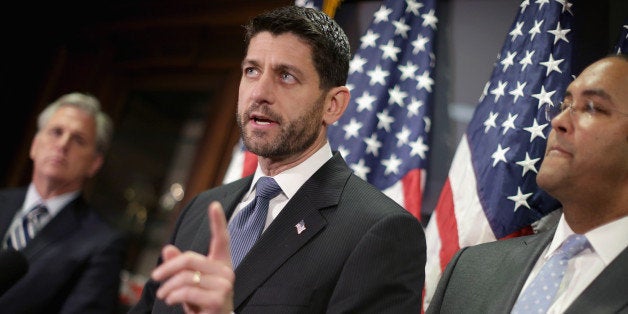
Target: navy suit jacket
x: 488, y: 278
x: 360, y: 252
x: 74, y: 262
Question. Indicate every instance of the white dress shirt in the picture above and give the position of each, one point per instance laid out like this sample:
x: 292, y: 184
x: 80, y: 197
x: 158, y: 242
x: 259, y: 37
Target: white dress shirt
x: 32, y: 199
x: 290, y: 182
x: 607, y: 242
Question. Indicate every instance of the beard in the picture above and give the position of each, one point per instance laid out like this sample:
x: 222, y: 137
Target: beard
x: 294, y: 136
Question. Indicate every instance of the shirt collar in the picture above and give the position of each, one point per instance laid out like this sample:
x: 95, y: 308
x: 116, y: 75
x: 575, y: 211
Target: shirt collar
x: 292, y: 179
x: 54, y: 204
x: 607, y: 240
x: 610, y: 239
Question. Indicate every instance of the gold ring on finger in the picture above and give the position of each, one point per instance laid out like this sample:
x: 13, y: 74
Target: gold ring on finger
x: 196, y: 278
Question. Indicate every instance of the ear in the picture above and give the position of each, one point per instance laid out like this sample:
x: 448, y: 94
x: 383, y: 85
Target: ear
x: 34, y: 143
x: 31, y: 152
x: 336, y: 104
x: 97, y: 163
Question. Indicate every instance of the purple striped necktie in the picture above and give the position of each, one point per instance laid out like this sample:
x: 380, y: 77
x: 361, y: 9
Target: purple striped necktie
x: 247, y: 225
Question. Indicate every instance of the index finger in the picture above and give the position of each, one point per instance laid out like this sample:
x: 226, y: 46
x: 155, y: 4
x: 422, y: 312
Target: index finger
x: 219, y: 245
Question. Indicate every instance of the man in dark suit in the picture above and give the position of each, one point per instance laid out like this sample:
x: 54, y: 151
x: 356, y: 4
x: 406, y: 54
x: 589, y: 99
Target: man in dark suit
x: 332, y: 242
x: 74, y: 257
x: 586, y: 169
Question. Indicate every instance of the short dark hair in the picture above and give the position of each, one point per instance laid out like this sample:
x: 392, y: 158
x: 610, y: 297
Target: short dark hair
x: 331, y: 51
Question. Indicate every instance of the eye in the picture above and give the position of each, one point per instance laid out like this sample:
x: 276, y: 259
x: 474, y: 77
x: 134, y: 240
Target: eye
x: 80, y: 140
x: 589, y: 107
x: 287, y: 77
x: 55, y: 132
x: 592, y: 108
x: 250, y: 71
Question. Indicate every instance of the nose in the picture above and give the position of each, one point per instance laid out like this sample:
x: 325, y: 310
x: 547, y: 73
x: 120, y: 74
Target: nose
x: 63, y: 141
x: 563, y: 121
x: 262, y: 89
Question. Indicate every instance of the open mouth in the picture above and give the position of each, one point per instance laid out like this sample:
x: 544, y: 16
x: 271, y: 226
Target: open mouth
x: 261, y: 121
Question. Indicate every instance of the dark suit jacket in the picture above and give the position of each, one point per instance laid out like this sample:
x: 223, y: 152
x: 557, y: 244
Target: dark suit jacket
x: 488, y: 278
x: 360, y: 253
x: 74, y: 262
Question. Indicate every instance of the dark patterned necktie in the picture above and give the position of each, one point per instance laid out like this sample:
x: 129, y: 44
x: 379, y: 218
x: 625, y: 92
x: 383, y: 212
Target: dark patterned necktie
x: 31, y: 223
x: 247, y: 225
x: 540, y: 294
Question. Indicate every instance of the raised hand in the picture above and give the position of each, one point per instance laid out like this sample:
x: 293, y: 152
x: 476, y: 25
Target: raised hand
x: 202, y: 284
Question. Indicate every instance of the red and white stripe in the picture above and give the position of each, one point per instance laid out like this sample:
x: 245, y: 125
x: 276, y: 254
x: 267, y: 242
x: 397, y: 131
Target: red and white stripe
x: 457, y: 221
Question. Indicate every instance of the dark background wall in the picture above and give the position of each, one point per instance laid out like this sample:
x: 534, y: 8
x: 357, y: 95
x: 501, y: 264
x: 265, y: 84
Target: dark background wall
x: 167, y: 73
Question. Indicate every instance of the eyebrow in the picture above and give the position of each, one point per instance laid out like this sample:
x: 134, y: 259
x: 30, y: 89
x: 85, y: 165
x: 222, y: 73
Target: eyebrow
x: 592, y: 92
x: 278, y: 68
x: 597, y: 92
x: 288, y: 68
x: 246, y: 62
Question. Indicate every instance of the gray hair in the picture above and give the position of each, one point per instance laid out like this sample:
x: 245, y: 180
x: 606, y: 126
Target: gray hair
x: 90, y: 105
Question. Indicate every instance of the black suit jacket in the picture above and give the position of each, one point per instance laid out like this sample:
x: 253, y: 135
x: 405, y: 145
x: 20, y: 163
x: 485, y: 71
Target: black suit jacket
x: 488, y: 278
x: 360, y: 253
x: 74, y: 262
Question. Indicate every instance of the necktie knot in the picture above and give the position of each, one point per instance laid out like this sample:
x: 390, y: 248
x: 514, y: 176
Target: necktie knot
x: 573, y: 245
x: 541, y: 293
x: 37, y: 213
x: 26, y: 230
x: 267, y: 188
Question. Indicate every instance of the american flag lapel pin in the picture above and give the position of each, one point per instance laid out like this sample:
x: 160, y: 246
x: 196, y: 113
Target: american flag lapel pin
x: 300, y: 226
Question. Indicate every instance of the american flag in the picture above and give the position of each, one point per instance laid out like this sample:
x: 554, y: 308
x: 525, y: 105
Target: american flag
x: 622, y: 43
x: 317, y: 4
x: 242, y: 164
x: 491, y: 191
x: 384, y: 134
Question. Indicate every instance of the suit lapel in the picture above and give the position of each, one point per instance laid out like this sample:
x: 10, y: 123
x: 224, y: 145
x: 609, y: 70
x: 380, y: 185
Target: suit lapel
x: 10, y: 203
x: 321, y: 191
x: 533, y: 246
x: 229, y: 197
x: 607, y: 293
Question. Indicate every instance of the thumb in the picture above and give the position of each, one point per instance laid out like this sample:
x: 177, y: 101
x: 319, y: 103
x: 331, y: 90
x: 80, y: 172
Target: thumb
x: 219, y: 245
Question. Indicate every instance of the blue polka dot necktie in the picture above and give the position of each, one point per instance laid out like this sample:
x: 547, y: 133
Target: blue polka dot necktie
x: 25, y: 231
x: 540, y: 294
x: 247, y: 225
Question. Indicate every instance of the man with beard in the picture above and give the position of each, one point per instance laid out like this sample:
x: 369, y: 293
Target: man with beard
x: 586, y: 169
x: 331, y: 242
